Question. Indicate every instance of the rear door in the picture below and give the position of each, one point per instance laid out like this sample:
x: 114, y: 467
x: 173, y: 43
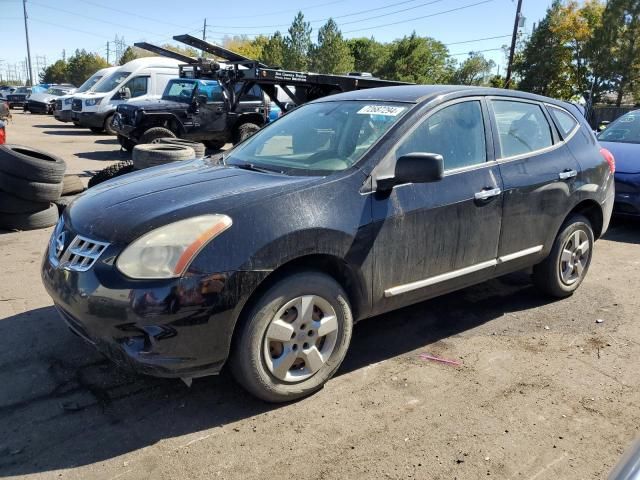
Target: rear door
x: 434, y: 237
x: 539, y: 177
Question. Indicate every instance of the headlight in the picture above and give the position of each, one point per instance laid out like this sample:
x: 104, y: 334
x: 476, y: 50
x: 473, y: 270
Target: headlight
x: 93, y: 101
x: 68, y: 101
x: 167, y: 252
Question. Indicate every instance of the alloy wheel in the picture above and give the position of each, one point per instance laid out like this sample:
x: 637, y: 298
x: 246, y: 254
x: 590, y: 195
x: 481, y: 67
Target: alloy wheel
x: 575, y: 257
x: 300, y: 338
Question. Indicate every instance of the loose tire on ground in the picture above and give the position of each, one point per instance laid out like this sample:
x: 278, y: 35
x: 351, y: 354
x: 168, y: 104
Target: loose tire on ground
x: 249, y: 362
x: 153, y: 154
x: 571, y: 252
x: 244, y: 131
x: 198, y: 148
x: 12, y: 204
x: 28, y: 190
x: 31, y: 164
x: 156, y: 133
x: 115, y: 170
x: 72, y: 184
x: 30, y: 221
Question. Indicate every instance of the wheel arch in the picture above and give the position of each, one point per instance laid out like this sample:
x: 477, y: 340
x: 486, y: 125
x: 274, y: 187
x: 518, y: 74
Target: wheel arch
x: 164, y: 120
x: 593, y: 211
x: 253, y: 117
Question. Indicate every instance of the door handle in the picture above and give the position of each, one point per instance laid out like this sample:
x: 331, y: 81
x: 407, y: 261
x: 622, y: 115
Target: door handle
x: 567, y: 174
x: 488, y: 193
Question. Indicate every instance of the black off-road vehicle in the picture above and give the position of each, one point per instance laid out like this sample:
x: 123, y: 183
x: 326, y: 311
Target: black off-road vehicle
x: 216, y: 103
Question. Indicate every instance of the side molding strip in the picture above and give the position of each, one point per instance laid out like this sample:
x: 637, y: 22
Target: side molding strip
x: 408, y: 287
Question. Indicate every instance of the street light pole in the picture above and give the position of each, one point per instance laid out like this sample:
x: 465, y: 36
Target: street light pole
x: 26, y: 32
x: 516, y: 23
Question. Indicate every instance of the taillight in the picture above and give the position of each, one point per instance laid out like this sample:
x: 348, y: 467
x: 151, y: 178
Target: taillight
x: 608, y: 156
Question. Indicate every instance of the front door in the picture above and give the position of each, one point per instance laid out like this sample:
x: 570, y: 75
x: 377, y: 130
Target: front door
x: 210, y: 120
x: 435, y: 237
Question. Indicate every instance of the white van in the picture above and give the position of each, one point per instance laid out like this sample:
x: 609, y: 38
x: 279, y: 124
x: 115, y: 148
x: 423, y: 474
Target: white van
x: 62, y: 111
x: 142, y: 78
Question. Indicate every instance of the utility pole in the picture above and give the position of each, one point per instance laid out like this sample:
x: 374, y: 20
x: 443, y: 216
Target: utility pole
x: 108, y: 54
x: 26, y: 32
x: 204, y: 36
x: 516, y: 24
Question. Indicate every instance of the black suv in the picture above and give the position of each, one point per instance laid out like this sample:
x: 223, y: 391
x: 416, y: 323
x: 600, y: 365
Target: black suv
x: 194, y: 109
x: 347, y: 207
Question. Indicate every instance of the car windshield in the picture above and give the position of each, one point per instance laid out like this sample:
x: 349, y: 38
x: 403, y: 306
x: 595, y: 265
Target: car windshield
x: 318, y: 138
x: 111, y: 82
x: 22, y: 90
x: 90, y: 82
x: 56, y: 91
x: 179, y: 90
x: 624, y: 130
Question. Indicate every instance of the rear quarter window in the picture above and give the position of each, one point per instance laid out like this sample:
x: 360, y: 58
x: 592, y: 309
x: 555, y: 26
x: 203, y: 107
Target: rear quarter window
x: 565, y: 122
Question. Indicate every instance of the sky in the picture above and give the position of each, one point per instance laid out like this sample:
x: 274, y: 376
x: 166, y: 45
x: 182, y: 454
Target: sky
x: 57, y: 25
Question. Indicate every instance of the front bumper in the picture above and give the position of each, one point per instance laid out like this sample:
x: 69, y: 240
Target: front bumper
x: 90, y: 119
x: 63, y: 115
x: 38, y: 107
x: 166, y: 328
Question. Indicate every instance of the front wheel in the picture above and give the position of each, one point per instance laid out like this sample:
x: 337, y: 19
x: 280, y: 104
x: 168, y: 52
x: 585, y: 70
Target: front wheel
x: 562, y: 272
x: 293, y: 339
x: 155, y: 133
x: 244, y: 131
x: 108, y: 127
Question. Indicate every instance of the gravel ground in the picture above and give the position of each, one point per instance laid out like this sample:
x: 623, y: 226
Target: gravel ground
x: 543, y: 392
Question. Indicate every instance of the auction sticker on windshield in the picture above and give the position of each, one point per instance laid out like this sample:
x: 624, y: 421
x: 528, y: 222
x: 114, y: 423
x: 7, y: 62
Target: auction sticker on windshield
x: 388, y: 110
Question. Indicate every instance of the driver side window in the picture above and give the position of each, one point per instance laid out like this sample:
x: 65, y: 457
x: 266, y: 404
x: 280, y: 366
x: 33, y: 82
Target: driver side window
x: 137, y: 86
x: 456, y: 132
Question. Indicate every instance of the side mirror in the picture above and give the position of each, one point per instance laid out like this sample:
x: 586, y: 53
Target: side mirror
x: 414, y: 168
x: 125, y: 93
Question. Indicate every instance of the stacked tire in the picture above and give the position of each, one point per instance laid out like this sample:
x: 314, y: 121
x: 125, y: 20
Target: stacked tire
x: 154, y: 154
x: 30, y: 182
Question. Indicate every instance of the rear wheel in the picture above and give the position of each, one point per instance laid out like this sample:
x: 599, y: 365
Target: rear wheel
x: 155, y: 133
x: 294, y: 338
x: 562, y: 272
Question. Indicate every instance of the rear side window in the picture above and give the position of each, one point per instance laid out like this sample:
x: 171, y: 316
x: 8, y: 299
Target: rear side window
x: 565, y: 121
x: 455, y: 132
x: 522, y: 127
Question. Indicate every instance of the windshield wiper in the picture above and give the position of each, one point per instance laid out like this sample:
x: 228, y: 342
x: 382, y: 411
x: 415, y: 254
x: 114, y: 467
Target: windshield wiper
x: 252, y: 167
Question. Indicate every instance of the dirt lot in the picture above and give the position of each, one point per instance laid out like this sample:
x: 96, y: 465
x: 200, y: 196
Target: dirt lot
x: 544, y: 391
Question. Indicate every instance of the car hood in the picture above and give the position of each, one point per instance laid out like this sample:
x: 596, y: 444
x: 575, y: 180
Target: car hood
x: 42, y: 97
x: 124, y: 208
x: 627, y: 156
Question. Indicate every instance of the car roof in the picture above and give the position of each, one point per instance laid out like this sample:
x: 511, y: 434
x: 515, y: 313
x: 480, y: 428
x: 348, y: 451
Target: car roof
x: 420, y: 93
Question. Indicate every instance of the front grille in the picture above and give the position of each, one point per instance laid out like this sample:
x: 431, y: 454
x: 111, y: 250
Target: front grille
x: 82, y: 253
x: 76, y: 105
x: 58, y: 104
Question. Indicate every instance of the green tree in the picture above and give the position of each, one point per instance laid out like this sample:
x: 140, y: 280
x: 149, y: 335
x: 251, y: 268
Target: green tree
x: 128, y: 55
x: 543, y: 65
x: 243, y: 45
x: 297, y: 44
x: 369, y: 55
x: 273, y: 51
x: 55, y: 73
x: 475, y: 70
x: 82, y: 65
x: 418, y: 60
x: 332, y: 53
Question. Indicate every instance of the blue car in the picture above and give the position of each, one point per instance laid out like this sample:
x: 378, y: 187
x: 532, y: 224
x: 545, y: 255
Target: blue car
x: 622, y: 139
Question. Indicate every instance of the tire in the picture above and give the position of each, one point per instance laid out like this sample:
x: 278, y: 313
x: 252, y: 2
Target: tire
x: 214, y: 144
x: 30, y: 221
x: 97, y: 129
x: 198, y: 148
x: 244, y: 131
x: 108, y: 129
x: 63, y: 202
x: 153, y: 154
x: 72, y: 184
x: 28, y: 190
x: 554, y: 276
x: 251, y: 357
x: 115, y: 170
x: 12, y: 204
x: 126, y: 143
x: 155, y: 133
x: 31, y: 164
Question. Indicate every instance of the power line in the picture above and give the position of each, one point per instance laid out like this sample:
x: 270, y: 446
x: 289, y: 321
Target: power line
x: 477, y: 40
x: 422, y: 17
x: 475, y: 51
